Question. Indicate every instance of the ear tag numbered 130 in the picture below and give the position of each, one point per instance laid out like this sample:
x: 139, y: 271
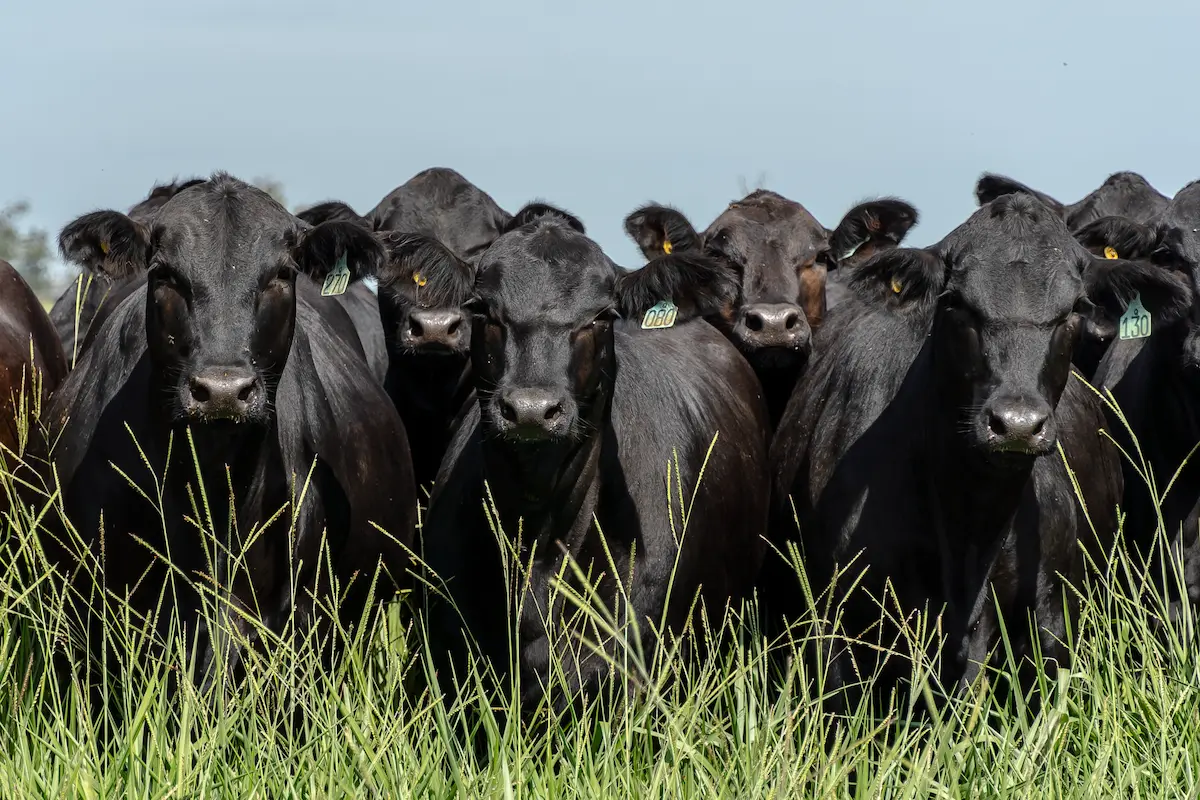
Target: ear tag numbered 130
x: 661, y: 315
x: 336, y: 281
x: 1135, y: 322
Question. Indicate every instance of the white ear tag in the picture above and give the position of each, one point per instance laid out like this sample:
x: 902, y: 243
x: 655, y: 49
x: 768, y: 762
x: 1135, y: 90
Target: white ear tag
x: 336, y: 281
x: 661, y: 315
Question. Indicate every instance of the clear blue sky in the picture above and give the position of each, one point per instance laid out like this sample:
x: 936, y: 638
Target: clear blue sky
x: 597, y: 107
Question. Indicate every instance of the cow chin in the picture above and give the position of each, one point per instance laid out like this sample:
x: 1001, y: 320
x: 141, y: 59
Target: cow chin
x: 777, y: 358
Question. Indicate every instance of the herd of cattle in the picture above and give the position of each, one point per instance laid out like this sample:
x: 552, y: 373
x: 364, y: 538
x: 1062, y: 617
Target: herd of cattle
x: 895, y: 413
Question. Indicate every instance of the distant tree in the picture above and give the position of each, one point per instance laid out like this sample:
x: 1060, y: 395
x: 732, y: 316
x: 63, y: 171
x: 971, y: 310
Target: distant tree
x: 273, y: 188
x: 28, y: 251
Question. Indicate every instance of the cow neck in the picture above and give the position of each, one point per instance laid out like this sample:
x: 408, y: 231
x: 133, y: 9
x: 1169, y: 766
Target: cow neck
x: 427, y: 384
x: 550, y: 489
x: 974, y: 499
x: 1179, y: 394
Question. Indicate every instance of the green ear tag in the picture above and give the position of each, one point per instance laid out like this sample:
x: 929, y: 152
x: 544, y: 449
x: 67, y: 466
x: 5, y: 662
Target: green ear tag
x: 1135, y: 322
x: 336, y: 281
x: 661, y: 316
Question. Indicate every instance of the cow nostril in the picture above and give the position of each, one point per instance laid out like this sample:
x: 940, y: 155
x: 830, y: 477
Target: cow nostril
x: 792, y: 320
x: 754, y: 322
x: 1037, y: 427
x: 247, y: 392
x: 508, y: 412
x: 997, y: 425
x: 553, y: 412
x: 200, y: 392
x: 415, y: 330
x: 453, y: 328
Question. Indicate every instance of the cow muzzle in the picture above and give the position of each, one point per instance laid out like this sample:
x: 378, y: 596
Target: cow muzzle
x: 230, y: 393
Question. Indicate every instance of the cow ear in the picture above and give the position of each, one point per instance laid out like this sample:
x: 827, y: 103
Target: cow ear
x: 1117, y: 237
x: 330, y: 245
x: 332, y: 210
x: 1111, y: 283
x: 870, y: 228
x: 661, y: 230
x: 698, y: 286
x: 439, y: 277
x: 901, y: 276
x: 538, y: 210
x: 107, y: 243
x: 990, y: 186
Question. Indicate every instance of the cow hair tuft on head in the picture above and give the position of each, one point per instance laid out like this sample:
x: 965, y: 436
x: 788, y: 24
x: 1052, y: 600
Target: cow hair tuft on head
x: 1129, y: 239
x: 538, y: 210
x: 443, y: 279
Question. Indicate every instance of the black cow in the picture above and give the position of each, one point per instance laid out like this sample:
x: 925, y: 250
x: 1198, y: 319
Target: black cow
x: 1155, y: 381
x: 226, y: 334
x: 421, y: 297
x: 783, y: 256
x: 579, y: 414
x: 74, y: 309
x: 1123, y: 194
x: 919, y: 446
x: 32, y: 366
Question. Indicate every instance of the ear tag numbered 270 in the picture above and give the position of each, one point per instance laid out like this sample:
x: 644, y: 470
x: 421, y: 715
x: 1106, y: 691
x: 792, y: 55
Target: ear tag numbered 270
x: 661, y: 315
x: 336, y: 281
x: 1135, y: 322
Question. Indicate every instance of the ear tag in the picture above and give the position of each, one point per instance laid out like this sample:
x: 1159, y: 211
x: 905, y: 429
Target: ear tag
x: 667, y: 247
x: 1110, y: 252
x: 896, y: 287
x: 419, y: 279
x: 1135, y: 322
x: 336, y: 281
x: 661, y: 316
x: 104, y: 247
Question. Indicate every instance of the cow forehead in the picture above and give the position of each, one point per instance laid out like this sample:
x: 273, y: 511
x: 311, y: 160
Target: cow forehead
x: 551, y: 273
x: 223, y: 233
x: 1014, y: 263
x: 775, y: 215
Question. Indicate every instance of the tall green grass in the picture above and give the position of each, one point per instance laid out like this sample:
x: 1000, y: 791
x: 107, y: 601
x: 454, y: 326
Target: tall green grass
x: 1123, y: 720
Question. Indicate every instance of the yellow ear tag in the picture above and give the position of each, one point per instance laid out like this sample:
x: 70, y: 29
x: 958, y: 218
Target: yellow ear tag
x: 661, y: 316
x: 336, y: 281
x: 104, y: 247
x: 1109, y: 252
x: 667, y: 248
x: 896, y: 287
x: 419, y: 279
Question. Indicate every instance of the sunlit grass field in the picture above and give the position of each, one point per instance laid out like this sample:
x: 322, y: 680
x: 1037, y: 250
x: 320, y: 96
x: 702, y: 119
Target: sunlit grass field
x: 1122, y: 721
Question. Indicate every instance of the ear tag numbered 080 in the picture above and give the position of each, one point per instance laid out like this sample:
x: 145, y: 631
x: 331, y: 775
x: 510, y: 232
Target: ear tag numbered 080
x: 336, y: 281
x: 661, y: 315
x: 1135, y: 322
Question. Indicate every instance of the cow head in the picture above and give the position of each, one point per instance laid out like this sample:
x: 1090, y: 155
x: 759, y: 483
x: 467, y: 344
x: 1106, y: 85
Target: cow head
x: 1123, y: 194
x: 443, y: 205
x: 781, y: 255
x: 1169, y: 241
x: 423, y: 289
x: 1007, y: 292
x: 542, y: 350
x: 221, y: 261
